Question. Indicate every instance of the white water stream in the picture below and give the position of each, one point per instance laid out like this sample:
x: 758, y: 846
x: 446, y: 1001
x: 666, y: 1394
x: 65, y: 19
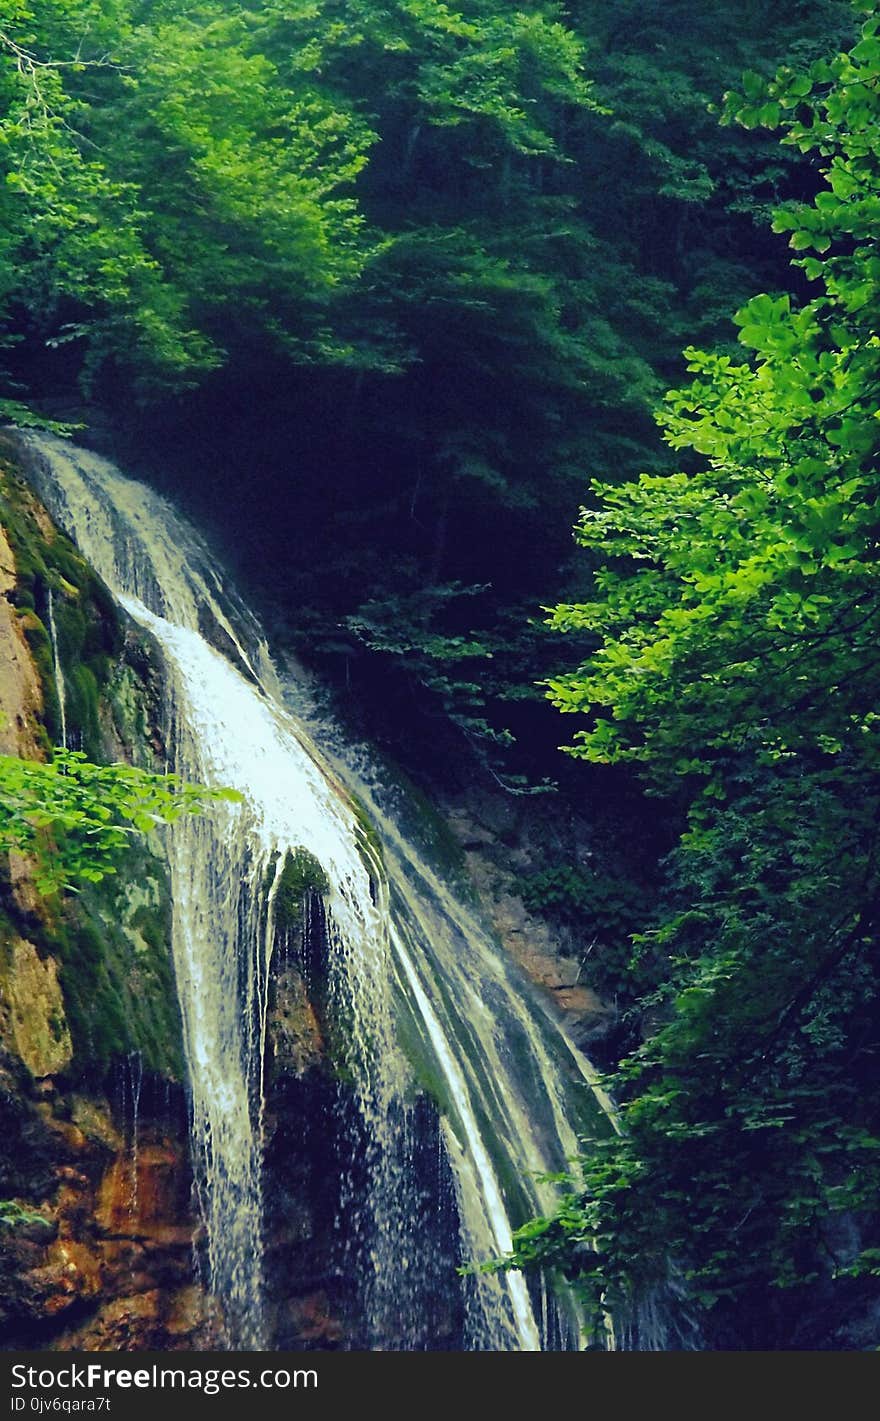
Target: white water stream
x: 60, y: 687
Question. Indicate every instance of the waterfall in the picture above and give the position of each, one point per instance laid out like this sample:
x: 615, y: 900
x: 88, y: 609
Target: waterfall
x: 420, y: 985
x: 60, y: 687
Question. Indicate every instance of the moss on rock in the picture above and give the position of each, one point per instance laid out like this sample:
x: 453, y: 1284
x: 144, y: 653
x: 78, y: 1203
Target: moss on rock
x: 301, y: 875
x: 116, y: 971
x: 126, y: 708
x: 87, y: 624
x: 367, y: 834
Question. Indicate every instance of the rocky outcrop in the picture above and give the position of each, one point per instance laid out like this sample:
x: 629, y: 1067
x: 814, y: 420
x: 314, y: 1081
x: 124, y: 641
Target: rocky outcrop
x: 502, y: 846
x: 97, y: 1226
x: 32, y: 1015
x: 103, y: 1259
x: 21, y: 697
x: 97, y: 1182
x: 103, y: 1236
x: 295, y: 1039
x: 309, y: 1302
x: 321, y: 1280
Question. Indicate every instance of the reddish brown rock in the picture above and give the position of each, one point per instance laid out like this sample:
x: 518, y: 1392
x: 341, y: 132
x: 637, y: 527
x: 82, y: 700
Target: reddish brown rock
x: 112, y: 1265
x: 155, y: 1320
x: 147, y: 1197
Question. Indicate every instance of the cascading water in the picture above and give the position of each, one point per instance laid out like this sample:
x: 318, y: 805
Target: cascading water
x: 517, y: 1092
x: 407, y: 962
x: 60, y: 687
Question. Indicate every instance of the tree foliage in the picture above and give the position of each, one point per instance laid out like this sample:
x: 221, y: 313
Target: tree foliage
x: 162, y: 186
x: 73, y: 819
x: 735, y: 626
x: 447, y: 253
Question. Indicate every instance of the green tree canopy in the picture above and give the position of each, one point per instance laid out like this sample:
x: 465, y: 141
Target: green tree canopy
x: 163, y: 191
x: 735, y: 619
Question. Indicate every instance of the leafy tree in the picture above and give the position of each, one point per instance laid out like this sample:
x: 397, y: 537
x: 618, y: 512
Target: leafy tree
x: 517, y: 317
x: 735, y: 625
x: 73, y: 240
x: 163, y: 190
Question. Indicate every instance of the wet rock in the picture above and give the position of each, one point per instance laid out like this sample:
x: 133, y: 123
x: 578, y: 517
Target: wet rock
x: 539, y: 950
x: 295, y: 1036
x: 21, y: 699
x: 71, y: 1273
x: 94, y: 1119
x: 152, y: 1320
x: 147, y: 1196
x: 311, y: 1322
x: 112, y: 1266
x: 33, y: 1023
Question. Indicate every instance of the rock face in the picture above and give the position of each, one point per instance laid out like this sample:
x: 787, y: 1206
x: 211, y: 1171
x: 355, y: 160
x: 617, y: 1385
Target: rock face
x: 105, y: 1261
x: 501, y: 845
x: 309, y: 1302
x: 99, y: 1229
x: 21, y: 698
x: 97, y: 1225
x: 96, y: 1178
x: 296, y: 1042
x: 31, y: 1001
x: 103, y: 1231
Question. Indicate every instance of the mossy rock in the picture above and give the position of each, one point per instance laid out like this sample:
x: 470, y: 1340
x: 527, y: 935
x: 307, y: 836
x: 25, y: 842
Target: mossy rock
x: 126, y: 710
x: 87, y: 623
x: 117, y: 977
x: 367, y: 833
x: 301, y: 875
x: 33, y: 1025
x: 40, y: 647
x: 112, y: 943
x: 83, y: 698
